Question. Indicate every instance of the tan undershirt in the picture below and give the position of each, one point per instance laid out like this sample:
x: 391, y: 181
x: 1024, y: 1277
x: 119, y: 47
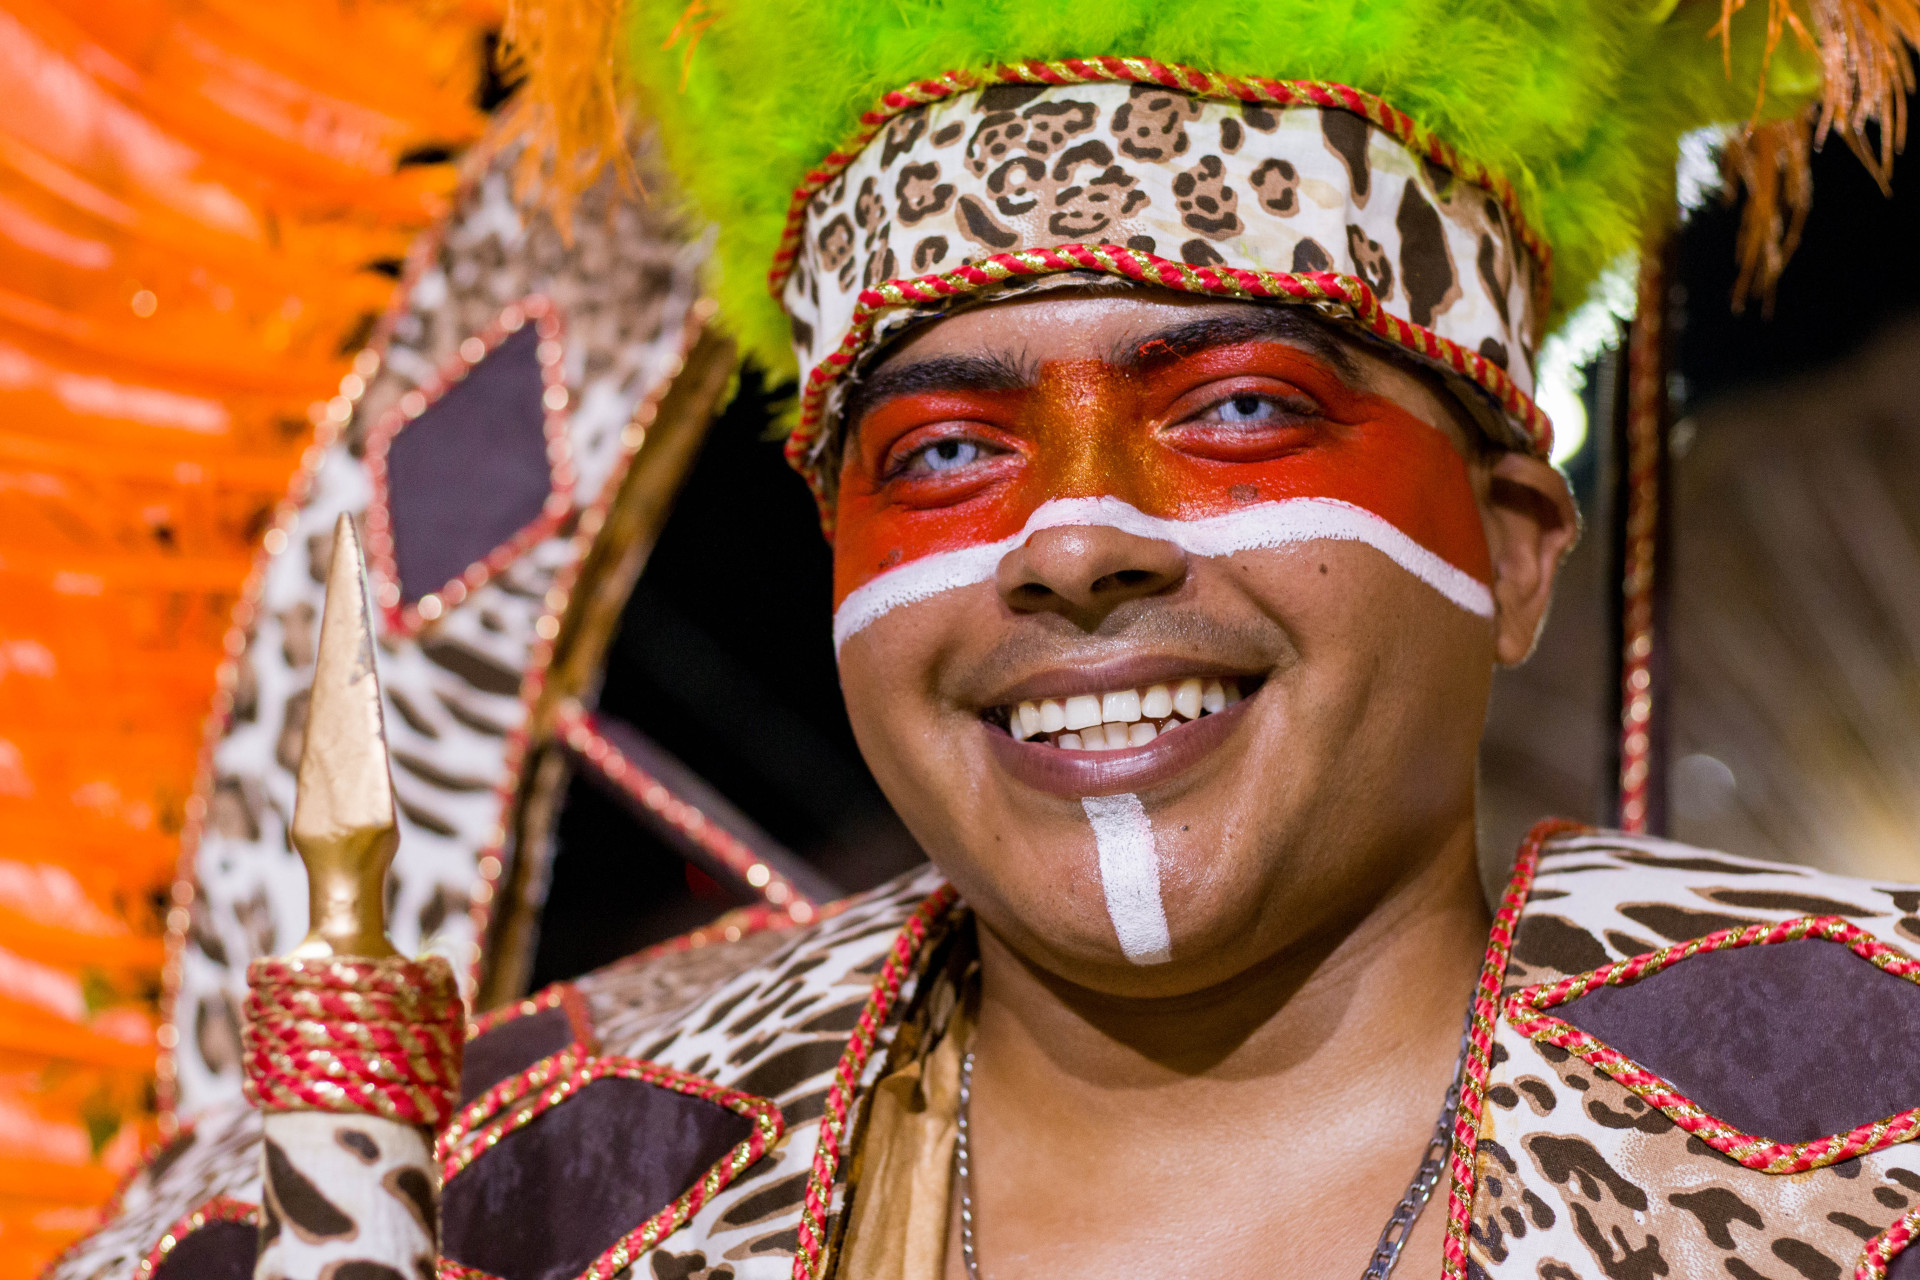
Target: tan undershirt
x: 903, y: 1170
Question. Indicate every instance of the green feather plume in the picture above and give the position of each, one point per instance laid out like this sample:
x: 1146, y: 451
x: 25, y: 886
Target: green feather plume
x: 1580, y: 103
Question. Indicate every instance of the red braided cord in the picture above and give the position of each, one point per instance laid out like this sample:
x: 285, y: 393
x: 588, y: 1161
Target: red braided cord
x: 810, y: 1258
x: 218, y: 1209
x: 1486, y: 1011
x: 1525, y: 1010
x: 581, y: 730
x: 1889, y: 1244
x: 1646, y: 411
x: 364, y: 1037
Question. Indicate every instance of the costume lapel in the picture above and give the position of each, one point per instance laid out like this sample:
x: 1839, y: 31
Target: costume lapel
x: 808, y: 1028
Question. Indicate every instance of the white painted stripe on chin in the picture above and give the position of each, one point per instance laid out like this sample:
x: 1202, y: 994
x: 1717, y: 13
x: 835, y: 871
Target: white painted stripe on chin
x: 1262, y: 525
x: 1130, y: 876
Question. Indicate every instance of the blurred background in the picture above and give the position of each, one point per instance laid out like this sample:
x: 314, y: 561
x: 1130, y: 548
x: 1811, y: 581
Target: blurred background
x: 1790, y: 593
x: 204, y: 207
x: 203, y: 210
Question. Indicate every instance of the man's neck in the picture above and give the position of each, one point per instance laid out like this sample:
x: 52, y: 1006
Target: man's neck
x: 1316, y: 1076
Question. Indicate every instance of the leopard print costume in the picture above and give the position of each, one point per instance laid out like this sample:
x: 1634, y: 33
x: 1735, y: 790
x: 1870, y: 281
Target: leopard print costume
x: 623, y: 283
x: 1579, y: 1176
x: 1576, y: 1176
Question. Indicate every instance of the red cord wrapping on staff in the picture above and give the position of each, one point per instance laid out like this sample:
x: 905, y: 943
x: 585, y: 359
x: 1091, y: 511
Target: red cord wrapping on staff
x: 364, y: 1037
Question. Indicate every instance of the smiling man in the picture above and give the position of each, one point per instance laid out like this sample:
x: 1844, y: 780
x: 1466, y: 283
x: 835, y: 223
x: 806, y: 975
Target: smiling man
x: 1167, y: 624
x: 1173, y: 427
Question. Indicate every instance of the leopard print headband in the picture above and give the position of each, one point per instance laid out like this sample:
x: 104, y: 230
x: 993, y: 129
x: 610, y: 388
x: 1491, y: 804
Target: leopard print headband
x: 1292, y: 191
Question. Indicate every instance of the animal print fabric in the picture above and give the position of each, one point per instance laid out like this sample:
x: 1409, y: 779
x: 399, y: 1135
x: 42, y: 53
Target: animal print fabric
x: 777, y: 1028
x: 624, y: 287
x: 217, y: 1155
x: 347, y: 1195
x: 1578, y: 1179
x: 1194, y: 180
x: 770, y: 1014
x: 1575, y: 1179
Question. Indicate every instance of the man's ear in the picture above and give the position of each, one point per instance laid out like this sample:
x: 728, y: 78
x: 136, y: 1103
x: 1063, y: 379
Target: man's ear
x: 1531, y: 524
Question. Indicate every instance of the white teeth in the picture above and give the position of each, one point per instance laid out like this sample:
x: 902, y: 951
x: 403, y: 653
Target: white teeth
x: 1083, y: 711
x: 1120, y: 718
x: 1157, y: 702
x: 1213, y: 697
x: 1186, y: 699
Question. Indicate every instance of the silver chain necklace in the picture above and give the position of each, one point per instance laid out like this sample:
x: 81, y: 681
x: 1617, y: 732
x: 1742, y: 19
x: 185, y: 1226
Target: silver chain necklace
x: 1392, y: 1238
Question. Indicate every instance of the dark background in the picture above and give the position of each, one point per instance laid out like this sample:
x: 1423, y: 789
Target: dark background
x: 724, y: 657
x: 1857, y: 268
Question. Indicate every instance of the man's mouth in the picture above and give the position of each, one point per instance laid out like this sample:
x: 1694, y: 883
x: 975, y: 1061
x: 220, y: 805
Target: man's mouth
x: 1115, y: 719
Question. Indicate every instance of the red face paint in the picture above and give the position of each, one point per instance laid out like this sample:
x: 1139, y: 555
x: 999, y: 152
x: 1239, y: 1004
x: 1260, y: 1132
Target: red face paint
x: 1181, y: 439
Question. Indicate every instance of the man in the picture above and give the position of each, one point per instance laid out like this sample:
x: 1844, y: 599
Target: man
x: 1264, y: 919
x: 1174, y: 433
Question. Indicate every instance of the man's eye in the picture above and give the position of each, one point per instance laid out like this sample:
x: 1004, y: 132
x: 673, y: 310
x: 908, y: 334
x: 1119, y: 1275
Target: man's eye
x: 1244, y: 410
x: 942, y: 456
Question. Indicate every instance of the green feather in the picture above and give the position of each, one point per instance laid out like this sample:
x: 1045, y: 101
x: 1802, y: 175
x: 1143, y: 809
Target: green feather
x: 1579, y: 103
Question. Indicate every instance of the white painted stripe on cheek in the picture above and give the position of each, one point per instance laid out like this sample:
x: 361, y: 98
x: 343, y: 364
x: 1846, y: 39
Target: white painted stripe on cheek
x: 1260, y: 526
x: 1130, y: 876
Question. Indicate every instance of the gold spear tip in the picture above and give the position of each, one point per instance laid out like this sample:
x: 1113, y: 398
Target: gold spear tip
x: 343, y: 813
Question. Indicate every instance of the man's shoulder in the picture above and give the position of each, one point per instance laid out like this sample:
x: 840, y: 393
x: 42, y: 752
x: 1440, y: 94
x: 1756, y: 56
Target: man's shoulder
x: 691, y: 1067
x: 635, y: 1002
x: 1598, y: 896
x: 1700, y: 1060
x: 202, y: 1182
x: 737, y: 1013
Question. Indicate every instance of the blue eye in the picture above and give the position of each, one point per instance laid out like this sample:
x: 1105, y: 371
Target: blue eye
x: 1246, y: 409
x: 946, y: 455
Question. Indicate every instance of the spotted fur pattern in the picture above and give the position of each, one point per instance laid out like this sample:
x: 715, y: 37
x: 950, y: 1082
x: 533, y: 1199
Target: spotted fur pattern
x: 1576, y: 1179
x: 1200, y: 181
x: 1581, y: 1180
x: 347, y: 1196
x: 218, y: 1155
x: 623, y: 288
x: 776, y: 1027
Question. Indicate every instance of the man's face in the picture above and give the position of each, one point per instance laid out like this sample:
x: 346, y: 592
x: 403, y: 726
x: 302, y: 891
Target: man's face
x: 1253, y: 551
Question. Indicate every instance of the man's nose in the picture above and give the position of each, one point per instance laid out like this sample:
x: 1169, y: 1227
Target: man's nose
x: 1084, y: 572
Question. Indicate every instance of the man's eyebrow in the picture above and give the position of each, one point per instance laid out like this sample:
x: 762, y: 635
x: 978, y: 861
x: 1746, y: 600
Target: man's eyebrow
x: 1001, y: 371
x: 1282, y: 322
x: 996, y: 372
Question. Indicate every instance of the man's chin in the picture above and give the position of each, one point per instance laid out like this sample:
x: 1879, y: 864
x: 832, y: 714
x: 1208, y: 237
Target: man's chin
x: 1059, y: 915
x: 1092, y: 963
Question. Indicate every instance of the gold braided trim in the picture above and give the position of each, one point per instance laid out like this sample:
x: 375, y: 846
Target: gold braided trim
x: 563, y: 1076
x: 1526, y: 1011
x: 1882, y: 1249
x: 1463, y: 1174
x: 218, y: 1209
